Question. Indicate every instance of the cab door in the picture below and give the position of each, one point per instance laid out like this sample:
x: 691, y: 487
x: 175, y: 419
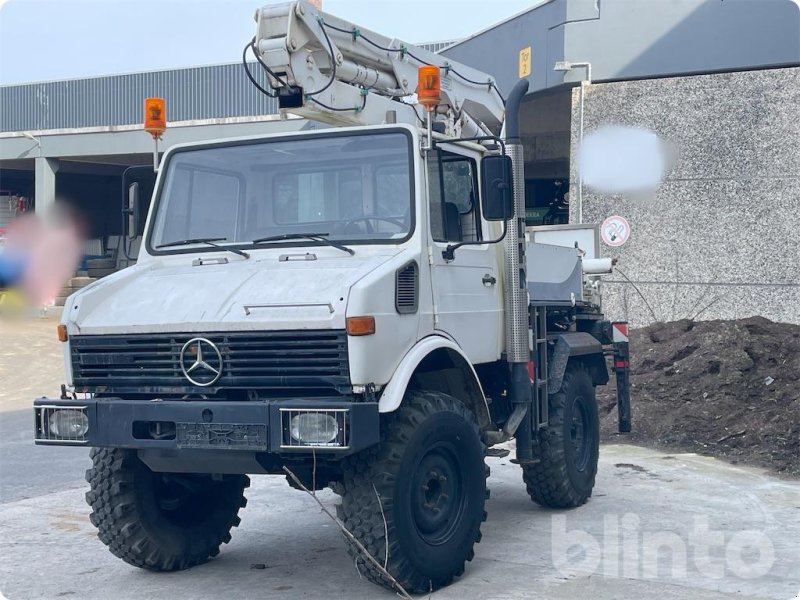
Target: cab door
x: 467, y: 299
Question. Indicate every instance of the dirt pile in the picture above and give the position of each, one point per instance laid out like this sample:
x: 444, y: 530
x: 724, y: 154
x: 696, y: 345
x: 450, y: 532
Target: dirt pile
x: 725, y: 388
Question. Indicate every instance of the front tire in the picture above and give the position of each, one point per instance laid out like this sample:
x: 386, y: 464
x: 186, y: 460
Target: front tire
x: 160, y: 521
x: 568, y: 449
x: 428, y: 481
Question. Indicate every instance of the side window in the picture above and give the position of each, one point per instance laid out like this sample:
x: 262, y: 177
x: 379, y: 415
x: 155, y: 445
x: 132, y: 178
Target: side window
x: 455, y: 214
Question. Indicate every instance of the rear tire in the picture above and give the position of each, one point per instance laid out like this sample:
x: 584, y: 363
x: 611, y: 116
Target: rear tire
x: 101, y: 263
x: 98, y: 273
x: 160, y: 521
x: 568, y: 449
x: 430, y: 476
x: 79, y: 282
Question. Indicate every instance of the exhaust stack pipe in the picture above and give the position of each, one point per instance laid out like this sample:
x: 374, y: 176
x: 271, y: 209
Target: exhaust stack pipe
x: 518, y: 345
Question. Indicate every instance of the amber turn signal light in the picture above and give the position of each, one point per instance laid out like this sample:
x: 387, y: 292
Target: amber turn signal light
x: 62, y: 333
x: 360, y: 325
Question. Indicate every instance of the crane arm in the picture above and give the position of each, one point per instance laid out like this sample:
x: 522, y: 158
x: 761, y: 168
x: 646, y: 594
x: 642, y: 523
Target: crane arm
x: 330, y: 70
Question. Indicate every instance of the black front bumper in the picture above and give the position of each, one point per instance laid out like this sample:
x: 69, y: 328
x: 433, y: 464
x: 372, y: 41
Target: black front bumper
x: 201, y: 425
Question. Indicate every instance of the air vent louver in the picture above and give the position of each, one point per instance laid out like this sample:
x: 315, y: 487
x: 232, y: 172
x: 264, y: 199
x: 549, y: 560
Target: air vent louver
x: 407, y: 289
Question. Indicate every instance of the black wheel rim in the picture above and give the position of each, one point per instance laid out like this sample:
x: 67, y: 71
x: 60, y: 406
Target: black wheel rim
x: 580, y: 435
x: 437, y: 495
x: 185, y: 501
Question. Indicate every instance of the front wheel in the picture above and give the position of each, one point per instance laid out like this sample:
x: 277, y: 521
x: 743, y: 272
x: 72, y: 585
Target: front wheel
x: 160, y: 521
x: 568, y: 449
x: 420, y: 494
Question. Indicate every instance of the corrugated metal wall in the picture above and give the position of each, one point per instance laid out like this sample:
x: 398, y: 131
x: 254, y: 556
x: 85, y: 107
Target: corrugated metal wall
x: 195, y: 93
x: 213, y: 92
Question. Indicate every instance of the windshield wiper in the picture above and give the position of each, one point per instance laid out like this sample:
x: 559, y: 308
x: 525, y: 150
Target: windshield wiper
x: 208, y: 241
x: 317, y: 237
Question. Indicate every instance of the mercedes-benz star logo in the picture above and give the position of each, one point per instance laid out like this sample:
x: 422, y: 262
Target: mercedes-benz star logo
x: 201, y: 361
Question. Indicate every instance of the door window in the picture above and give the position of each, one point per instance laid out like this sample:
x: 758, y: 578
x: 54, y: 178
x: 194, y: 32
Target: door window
x: 453, y: 198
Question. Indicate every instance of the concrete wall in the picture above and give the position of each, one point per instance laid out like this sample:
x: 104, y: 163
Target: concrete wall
x: 723, y: 230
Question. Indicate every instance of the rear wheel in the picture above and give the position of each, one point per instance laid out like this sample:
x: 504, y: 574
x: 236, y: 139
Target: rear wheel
x: 424, y: 486
x: 160, y: 521
x: 568, y: 449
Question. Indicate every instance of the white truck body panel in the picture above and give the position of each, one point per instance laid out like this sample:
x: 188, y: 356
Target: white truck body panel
x: 172, y: 294
x: 393, y: 394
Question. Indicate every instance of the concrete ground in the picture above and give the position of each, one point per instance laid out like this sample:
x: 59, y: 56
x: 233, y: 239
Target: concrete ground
x: 668, y: 526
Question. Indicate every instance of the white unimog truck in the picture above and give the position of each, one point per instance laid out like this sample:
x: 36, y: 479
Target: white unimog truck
x: 360, y: 305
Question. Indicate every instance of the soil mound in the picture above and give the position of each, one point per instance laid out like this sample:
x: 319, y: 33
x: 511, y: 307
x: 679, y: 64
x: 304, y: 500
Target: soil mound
x: 725, y: 388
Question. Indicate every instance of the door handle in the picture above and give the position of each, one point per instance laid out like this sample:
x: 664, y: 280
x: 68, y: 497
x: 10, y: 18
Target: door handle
x: 489, y: 280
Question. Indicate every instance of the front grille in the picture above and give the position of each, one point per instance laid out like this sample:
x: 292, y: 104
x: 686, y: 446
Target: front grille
x: 312, y: 360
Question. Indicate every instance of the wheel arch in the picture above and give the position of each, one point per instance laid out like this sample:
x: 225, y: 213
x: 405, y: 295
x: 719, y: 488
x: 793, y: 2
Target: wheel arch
x: 437, y: 363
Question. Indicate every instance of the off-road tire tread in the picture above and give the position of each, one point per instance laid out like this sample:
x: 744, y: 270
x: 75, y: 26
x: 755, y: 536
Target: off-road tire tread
x: 100, y: 263
x: 547, y: 481
x: 99, y: 273
x: 359, y: 510
x: 118, y: 522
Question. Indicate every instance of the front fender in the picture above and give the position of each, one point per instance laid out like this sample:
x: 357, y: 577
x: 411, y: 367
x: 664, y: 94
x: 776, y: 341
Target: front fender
x: 394, y: 391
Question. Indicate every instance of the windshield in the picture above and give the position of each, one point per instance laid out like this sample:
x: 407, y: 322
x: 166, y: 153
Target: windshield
x: 354, y: 188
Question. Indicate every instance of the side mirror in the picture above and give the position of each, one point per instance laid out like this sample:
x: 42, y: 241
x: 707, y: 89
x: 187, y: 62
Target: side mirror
x: 133, y: 210
x: 497, y: 188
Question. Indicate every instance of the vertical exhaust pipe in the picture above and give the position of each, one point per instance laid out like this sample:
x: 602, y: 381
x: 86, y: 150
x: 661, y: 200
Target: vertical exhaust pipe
x: 518, y: 345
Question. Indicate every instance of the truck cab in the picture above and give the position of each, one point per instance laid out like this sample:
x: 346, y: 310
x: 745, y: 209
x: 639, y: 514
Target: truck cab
x: 289, y: 270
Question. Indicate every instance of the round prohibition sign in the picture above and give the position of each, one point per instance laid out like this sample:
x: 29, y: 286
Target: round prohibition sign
x: 615, y: 231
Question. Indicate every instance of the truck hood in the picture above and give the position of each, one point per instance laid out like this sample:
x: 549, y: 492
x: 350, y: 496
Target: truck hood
x: 160, y: 296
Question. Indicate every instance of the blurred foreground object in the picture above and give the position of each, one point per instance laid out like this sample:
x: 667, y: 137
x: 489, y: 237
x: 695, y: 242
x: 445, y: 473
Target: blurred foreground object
x: 39, y: 254
x: 616, y: 159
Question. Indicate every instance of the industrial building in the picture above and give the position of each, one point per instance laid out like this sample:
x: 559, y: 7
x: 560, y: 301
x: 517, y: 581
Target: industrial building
x: 718, y: 79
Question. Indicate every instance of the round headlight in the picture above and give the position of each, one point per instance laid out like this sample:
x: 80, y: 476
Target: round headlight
x: 314, y: 428
x: 68, y: 423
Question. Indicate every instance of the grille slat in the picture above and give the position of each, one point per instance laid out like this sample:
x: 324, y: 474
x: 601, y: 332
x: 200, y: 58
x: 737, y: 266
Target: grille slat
x: 286, y: 360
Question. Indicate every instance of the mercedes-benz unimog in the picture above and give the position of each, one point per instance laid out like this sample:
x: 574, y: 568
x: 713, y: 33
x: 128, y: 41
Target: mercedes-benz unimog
x: 360, y: 306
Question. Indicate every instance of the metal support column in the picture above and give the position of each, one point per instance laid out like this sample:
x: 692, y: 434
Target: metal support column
x: 45, y: 185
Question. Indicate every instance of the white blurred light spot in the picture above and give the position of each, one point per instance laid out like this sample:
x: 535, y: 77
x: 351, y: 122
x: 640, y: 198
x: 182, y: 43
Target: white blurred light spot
x: 616, y: 159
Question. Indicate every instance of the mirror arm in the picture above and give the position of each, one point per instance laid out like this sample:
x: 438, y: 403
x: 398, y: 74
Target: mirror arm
x: 449, y: 253
x: 480, y: 138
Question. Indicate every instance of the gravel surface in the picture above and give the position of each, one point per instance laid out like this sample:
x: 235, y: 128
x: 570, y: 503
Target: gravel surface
x: 31, y: 363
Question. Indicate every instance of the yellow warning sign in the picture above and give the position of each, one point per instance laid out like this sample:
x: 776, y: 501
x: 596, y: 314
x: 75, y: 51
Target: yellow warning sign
x: 525, y: 62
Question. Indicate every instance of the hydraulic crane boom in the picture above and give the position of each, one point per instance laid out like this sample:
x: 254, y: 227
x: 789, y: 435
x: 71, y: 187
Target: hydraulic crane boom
x: 330, y: 70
